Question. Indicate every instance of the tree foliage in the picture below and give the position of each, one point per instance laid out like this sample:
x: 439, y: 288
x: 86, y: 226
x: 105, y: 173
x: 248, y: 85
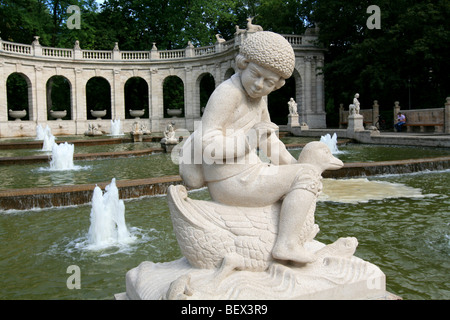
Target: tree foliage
x: 405, y: 60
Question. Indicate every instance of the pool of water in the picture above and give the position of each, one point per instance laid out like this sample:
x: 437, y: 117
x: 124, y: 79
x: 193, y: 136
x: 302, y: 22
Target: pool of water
x: 85, y: 172
x: 354, y: 152
x: 408, y: 237
x: 156, y: 165
x: 80, y: 149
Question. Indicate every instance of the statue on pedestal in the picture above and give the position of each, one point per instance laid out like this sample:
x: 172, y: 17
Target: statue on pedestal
x: 255, y: 239
x: 355, y: 106
x: 292, y: 107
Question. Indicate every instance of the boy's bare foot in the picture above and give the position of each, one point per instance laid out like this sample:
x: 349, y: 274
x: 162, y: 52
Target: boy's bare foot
x: 293, y: 253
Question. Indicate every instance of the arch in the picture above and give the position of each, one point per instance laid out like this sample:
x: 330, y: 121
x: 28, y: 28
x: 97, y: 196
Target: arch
x: 98, y: 96
x: 173, y: 95
x: 228, y: 74
x: 298, y: 93
x: 277, y: 101
x: 19, y: 94
x: 136, y: 96
x: 58, y: 95
x: 206, y: 86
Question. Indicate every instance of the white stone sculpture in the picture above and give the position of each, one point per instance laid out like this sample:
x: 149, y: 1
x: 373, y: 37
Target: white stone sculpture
x: 93, y: 130
x: 255, y: 239
x: 136, y: 132
x: 253, y: 27
x: 292, y: 107
x: 239, y: 30
x: 354, y: 108
x: 144, y: 129
x: 169, y: 134
x: 219, y: 38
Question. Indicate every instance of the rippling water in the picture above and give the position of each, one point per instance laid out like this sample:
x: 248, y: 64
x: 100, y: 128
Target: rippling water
x: 406, y: 236
x: 156, y: 165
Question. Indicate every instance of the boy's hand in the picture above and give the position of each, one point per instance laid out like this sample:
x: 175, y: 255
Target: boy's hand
x: 265, y: 127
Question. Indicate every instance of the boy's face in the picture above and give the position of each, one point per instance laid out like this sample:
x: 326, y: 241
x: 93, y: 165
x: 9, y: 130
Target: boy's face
x: 258, y: 81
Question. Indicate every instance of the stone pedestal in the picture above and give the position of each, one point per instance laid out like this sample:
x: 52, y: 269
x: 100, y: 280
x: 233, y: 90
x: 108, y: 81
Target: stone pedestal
x: 293, y: 120
x: 332, y: 278
x: 355, y: 123
x: 167, y: 146
x: 137, y: 136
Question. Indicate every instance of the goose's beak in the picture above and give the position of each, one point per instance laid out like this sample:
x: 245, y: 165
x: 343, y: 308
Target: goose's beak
x: 335, y: 163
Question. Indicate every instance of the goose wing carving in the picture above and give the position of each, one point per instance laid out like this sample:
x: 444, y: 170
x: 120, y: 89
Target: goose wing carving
x: 207, y: 231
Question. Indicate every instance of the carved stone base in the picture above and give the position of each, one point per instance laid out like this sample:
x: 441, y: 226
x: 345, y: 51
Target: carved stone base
x: 168, y: 146
x: 293, y: 121
x: 332, y: 277
x: 355, y: 123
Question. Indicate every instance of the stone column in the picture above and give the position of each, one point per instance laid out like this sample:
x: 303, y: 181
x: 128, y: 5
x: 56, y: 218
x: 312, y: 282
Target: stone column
x: 38, y: 106
x: 375, y: 112
x: 118, y: 94
x: 447, y: 115
x: 396, y: 110
x: 307, y: 83
x: 37, y: 48
x: 190, y: 103
x: 3, y: 95
x: 341, y: 115
x: 156, y: 100
x: 320, y: 100
x: 154, y: 52
x: 79, y: 102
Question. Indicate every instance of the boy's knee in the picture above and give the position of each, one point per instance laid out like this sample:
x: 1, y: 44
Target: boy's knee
x: 307, y: 180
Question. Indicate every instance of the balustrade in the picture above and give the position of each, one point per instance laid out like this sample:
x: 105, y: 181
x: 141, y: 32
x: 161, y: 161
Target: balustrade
x: 204, y: 50
x: 135, y: 55
x: 172, y: 54
x: 17, y: 48
x: 294, y: 40
x: 61, y: 53
x: 97, y: 55
x: 57, y: 53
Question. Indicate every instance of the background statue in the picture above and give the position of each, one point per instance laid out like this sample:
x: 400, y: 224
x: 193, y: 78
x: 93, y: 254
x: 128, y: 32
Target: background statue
x: 354, y: 108
x: 292, y: 107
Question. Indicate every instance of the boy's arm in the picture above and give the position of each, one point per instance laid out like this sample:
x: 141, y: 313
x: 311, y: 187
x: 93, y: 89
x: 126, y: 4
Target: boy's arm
x: 269, y: 142
x: 216, y: 144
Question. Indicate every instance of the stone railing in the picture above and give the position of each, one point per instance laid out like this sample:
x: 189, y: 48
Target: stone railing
x: 370, y: 115
x: 36, y: 50
x: 438, y: 119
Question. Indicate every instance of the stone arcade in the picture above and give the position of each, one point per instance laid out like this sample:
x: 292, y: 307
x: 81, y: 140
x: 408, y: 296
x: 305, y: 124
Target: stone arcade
x: 37, y: 64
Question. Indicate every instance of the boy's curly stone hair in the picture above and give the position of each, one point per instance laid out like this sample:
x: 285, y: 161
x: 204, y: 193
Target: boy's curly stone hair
x: 271, y: 51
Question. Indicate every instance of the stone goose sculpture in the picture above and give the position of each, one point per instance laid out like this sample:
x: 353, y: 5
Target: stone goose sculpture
x: 213, y: 235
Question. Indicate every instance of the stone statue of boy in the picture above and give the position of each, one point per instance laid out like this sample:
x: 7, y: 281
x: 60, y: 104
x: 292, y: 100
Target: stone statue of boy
x: 236, y: 121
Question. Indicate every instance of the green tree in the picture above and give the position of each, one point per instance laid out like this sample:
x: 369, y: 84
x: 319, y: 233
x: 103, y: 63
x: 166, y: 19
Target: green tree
x: 408, y: 55
x: 21, y: 20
